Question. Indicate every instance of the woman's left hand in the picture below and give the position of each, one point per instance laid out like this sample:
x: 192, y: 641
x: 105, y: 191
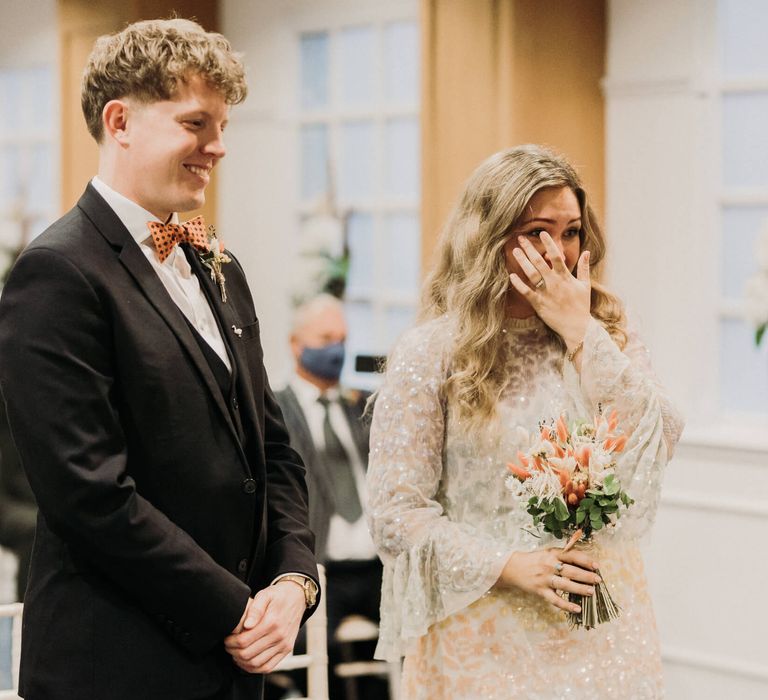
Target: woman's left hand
x: 561, y: 300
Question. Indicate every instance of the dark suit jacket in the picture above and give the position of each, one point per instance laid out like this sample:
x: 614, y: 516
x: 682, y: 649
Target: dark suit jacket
x: 163, y: 502
x: 18, y: 510
x: 319, y: 476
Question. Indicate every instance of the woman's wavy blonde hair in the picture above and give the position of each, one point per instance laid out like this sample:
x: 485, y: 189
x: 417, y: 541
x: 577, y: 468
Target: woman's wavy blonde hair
x: 470, y: 281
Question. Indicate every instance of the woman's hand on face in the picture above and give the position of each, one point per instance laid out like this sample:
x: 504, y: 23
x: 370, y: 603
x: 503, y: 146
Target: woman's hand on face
x: 546, y: 571
x: 561, y: 300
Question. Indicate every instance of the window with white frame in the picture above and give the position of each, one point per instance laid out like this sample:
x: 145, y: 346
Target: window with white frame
x: 359, y: 149
x: 743, y: 108
x: 28, y: 192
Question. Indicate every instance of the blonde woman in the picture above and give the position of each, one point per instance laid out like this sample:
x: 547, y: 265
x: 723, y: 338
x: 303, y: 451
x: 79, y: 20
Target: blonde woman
x: 513, y: 331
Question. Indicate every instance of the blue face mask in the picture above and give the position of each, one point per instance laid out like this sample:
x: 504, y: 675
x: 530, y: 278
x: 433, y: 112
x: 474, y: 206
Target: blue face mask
x: 325, y: 362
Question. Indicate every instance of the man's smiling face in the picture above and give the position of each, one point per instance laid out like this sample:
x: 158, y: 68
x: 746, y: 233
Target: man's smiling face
x: 170, y: 148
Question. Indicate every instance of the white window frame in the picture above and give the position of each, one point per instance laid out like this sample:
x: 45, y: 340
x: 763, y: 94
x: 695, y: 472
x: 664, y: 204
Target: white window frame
x: 378, y: 16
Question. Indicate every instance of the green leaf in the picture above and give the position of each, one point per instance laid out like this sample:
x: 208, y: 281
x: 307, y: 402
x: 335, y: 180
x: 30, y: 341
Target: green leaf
x: 595, y: 513
x: 586, y: 503
x: 759, y: 333
x: 580, y: 516
x: 596, y: 524
x: 610, y: 485
x: 561, y: 510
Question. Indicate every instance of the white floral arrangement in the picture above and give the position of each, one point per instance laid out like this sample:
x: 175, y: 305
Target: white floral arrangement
x: 756, y: 288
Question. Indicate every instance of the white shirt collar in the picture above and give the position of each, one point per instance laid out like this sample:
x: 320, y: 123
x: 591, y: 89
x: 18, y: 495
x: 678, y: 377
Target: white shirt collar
x: 308, y: 394
x: 133, y: 216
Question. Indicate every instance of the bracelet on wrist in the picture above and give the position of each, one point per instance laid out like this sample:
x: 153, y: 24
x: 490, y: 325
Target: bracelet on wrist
x: 572, y: 353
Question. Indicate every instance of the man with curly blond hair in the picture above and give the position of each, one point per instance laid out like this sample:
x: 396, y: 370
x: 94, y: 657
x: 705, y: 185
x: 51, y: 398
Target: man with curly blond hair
x: 173, y: 558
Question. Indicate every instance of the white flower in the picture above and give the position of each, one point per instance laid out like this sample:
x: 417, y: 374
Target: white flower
x: 544, y: 484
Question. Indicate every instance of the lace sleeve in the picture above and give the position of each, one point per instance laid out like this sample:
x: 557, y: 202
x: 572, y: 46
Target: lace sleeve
x: 624, y: 380
x: 432, y: 566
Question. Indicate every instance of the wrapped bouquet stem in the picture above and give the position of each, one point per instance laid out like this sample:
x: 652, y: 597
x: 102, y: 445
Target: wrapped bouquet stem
x: 566, y: 481
x: 597, y: 608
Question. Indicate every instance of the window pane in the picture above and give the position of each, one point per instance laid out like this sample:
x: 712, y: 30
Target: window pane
x: 40, y: 178
x: 361, y: 340
x: 743, y: 368
x: 361, y: 327
x: 356, y: 175
x: 403, y: 253
x: 314, y: 160
x: 314, y: 70
x: 37, y: 100
x: 10, y: 105
x: 10, y: 176
x: 402, y: 157
x: 358, y: 66
x: 745, y: 146
x: 401, y: 63
x: 398, y: 320
x: 361, y: 254
x: 742, y: 25
x: 741, y: 226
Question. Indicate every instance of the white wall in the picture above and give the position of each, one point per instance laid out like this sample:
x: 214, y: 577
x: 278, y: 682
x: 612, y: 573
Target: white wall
x: 29, y: 33
x: 706, y: 561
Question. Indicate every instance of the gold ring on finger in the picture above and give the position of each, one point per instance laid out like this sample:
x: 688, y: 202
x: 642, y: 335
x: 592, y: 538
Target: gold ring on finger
x: 541, y: 283
x: 558, y: 567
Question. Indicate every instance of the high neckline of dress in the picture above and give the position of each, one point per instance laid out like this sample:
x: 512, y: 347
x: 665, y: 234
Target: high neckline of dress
x: 524, y: 324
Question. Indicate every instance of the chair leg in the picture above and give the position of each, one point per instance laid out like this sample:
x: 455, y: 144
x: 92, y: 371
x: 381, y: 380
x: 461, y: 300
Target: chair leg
x: 393, y: 676
x: 350, y: 682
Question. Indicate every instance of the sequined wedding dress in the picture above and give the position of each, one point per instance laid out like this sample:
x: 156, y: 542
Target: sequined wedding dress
x: 445, y: 525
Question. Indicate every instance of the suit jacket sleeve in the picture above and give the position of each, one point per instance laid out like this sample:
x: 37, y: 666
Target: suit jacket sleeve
x: 59, y: 380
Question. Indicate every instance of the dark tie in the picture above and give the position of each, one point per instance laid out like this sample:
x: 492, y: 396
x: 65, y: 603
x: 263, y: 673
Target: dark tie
x: 344, y: 488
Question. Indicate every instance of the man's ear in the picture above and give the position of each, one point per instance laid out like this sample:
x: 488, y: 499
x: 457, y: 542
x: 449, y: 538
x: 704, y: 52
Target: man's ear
x: 114, y: 117
x: 296, y: 346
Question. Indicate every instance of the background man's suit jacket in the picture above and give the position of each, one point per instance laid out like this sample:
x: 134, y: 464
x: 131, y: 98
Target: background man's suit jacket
x: 322, y: 503
x: 164, y: 500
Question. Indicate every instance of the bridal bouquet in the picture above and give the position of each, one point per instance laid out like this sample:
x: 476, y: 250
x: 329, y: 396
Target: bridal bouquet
x: 567, y: 482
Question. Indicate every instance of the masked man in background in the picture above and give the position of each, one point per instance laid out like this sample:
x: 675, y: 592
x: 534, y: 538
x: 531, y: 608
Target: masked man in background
x: 328, y: 430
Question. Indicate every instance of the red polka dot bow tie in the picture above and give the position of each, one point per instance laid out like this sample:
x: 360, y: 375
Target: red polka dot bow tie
x: 166, y: 236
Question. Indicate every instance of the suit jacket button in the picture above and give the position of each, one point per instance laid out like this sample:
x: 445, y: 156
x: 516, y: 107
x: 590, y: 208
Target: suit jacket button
x: 242, y: 566
x: 249, y: 486
x: 235, y: 404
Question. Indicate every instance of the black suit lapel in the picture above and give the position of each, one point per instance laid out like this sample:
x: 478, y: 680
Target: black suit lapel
x: 133, y: 259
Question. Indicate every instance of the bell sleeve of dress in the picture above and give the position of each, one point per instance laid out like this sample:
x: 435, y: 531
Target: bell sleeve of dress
x: 433, y: 566
x: 624, y: 380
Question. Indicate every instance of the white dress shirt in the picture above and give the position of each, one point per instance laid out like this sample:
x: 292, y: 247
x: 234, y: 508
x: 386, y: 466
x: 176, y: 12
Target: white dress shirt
x: 345, y: 540
x: 174, y: 272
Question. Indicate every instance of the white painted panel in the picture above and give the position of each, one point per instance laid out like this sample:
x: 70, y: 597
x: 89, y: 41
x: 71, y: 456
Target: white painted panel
x: 692, y: 683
